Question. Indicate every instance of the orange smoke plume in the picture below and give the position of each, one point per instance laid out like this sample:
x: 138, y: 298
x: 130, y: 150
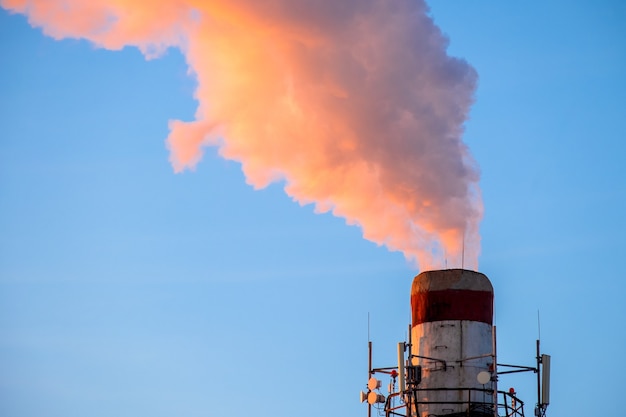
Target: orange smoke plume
x: 354, y: 105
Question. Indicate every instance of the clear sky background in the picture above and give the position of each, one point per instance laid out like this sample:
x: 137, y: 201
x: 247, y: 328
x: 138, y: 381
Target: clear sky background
x: 128, y: 290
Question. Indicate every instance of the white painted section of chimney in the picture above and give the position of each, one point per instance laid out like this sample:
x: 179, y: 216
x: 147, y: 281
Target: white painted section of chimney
x: 455, y: 342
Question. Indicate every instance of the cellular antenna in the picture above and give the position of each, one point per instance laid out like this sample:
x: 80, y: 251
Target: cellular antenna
x: 538, y: 326
x: 463, y: 252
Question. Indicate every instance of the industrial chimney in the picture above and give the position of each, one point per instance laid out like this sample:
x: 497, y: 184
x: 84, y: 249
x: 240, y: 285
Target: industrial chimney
x: 448, y: 367
x: 452, y: 343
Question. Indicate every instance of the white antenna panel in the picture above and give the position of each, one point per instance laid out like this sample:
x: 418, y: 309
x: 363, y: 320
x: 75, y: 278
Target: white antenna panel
x: 545, y: 383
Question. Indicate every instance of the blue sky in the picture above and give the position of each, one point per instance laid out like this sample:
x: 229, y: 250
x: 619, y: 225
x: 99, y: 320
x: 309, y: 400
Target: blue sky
x: 126, y: 289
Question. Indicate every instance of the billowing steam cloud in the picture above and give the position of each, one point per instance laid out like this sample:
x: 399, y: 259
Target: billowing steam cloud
x: 353, y: 104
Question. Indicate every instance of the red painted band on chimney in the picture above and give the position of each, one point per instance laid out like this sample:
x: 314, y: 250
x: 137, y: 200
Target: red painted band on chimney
x: 441, y: 305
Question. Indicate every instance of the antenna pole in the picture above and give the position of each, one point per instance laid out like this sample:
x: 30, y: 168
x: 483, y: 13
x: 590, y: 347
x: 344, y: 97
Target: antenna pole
x: 369, y: 374
x: 538, y: 378
x: 494, y: 348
